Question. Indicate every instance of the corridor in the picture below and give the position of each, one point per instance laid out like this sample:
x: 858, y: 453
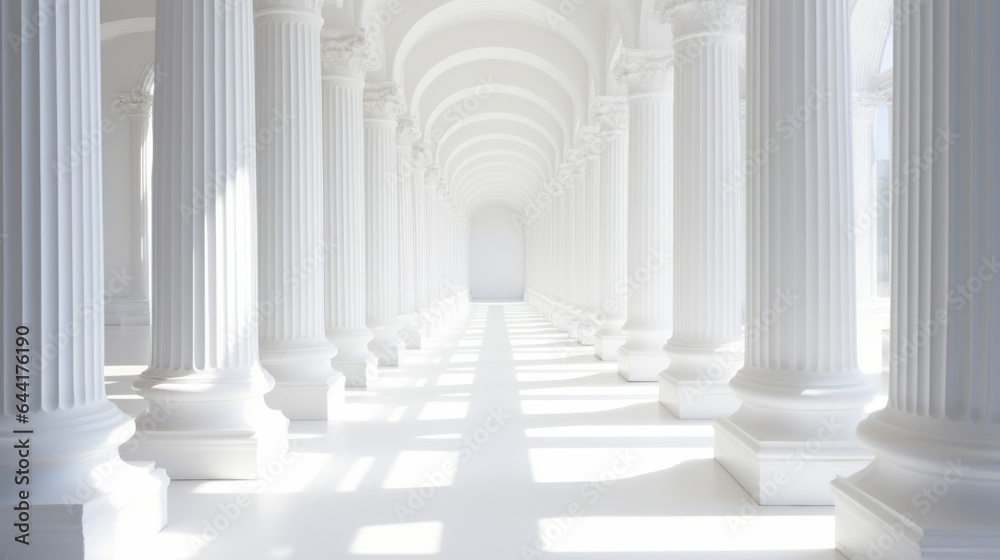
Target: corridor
x: 502, y: 440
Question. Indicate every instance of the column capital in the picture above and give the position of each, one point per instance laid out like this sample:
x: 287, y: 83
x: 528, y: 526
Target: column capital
x: 348, y: 52
x: 588, y: 141
x: 407, y: 131
x: 383, y: 100
x: 610, y: 113
x: 432, y: 177
x: 866, y: 103
x: 133, y: 104
x: 692, y: 16
x: 644, y: 71
x: 421, y: 155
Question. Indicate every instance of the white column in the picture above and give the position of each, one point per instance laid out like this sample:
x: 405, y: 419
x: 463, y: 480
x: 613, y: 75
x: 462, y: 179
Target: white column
x: 706, y: 348
x: 347, y: 55
x: 562, y: 245
x: 383, y: 102
x: 588, y: 144
x: 933, y: 490
x: 433, y: 310
x: 406, y: 134
x: 569, y: 310
x: 865, y: 229
x: 801, y: 390
x: 204, y: 360
x: 132, y: 306
x: 576, y: 166
x: 420, y: 158
x: 611, y: 114
x: 649, y: 284
x: 294, y: 347
x: 873, y: 311
x: 66, y: 492
x: 448, y: 251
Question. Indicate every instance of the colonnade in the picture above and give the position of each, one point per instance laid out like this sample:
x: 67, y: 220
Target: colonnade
x: 784, y: 385
x: 277, y: 187
x: 302, y: 237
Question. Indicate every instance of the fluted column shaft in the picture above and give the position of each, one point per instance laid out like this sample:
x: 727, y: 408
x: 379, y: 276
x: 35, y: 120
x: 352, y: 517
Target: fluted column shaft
x: 592, y: 219
x: 650, y: 211
x: 801, y: 374
x: 588, y: 248
x: 131, y: 305
x: 432, y: 310
x: 293, y: 251
x: 573, y: 228
x: 406, y: 134
x: 706, y: 347
x: 383, y: 103
x: 205, y: 309
x: 578, y: 212
x: 865, y: 194
x: 611, y: 114
x: 937, y: 443
x: 57, y: 426
x: 420, y: 158
x: 346, y: 55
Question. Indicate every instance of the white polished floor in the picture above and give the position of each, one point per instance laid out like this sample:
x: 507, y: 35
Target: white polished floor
x: 555, y: 456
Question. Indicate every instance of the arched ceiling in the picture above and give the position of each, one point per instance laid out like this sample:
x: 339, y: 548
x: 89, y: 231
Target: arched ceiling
x: 499, y: 87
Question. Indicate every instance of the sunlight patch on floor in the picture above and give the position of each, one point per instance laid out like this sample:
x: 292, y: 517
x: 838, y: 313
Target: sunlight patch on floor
x: 585, y: 464
x: 579, y: 406
x: 411, y: 469
x: 636, y: 431
x: 686, y: 533
x: 398, y: 538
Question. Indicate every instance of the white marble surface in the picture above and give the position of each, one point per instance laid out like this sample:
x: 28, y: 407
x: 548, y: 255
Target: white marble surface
x: 572, y: 419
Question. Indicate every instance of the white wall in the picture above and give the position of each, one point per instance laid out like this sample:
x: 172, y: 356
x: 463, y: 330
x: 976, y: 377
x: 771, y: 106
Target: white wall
x: 497, y: 259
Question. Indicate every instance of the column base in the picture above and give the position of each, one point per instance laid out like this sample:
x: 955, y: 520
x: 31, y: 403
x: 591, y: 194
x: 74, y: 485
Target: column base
x: 306, y: 386
x: 779, y: 470
x: 889, y: 513
x: 696, y: 399
x: 696, y: 384
x: 309, y: 400
x: 353, y: 358
x: 562, y: 319
x: 585, y: 336
x: 108, y: 525
x: 388, y: 352
x: 426, y: 331
x: 573, y: 326
x: 358, y: 373
x: 214, y: 454
x: 641, y: 365
x: 933, y: 491
x: 606, y: 346
x: 413, y: 337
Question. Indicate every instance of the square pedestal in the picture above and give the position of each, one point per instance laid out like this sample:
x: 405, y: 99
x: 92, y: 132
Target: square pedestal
x: 606, y: 346
x: 105, y: 527
x: 388, y: 354
x: 212, y: 455
x: 309, y: 400
x: 358, y: 373
x: 898, y: 515
x: 697, y: 399
x: 785, y: 473
x: 641, y: 365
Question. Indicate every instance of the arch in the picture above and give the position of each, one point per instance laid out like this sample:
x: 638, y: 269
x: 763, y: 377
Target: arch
x: 477, y: 55
x: 526, y: 10
x: 122, y: 27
